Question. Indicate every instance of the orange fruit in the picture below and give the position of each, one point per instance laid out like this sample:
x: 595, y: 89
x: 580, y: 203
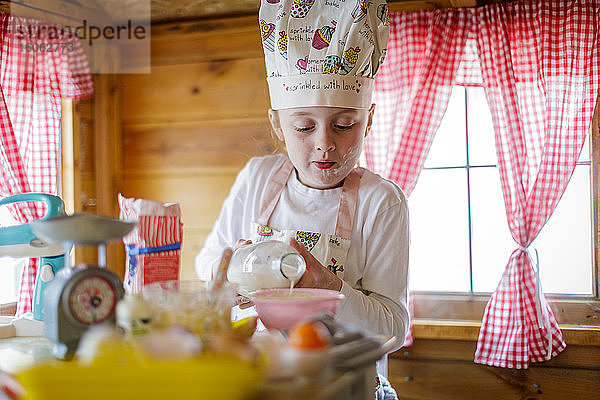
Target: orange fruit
x: 309, y: 335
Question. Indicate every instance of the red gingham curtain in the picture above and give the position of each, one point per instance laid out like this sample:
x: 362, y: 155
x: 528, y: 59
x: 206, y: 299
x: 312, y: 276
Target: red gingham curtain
x: 542, y: 95
x: 32, y: 85
x: 412, y: 90
x: 538, y: 63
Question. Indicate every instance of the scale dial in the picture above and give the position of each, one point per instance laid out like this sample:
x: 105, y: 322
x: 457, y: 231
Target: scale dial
x: 92, y: 300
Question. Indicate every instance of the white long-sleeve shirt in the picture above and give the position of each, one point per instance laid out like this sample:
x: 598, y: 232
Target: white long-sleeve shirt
x: 376, y: 269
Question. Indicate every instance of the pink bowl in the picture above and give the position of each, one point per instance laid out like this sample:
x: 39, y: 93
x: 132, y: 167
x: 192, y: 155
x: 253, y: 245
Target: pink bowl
x: 277, y: 311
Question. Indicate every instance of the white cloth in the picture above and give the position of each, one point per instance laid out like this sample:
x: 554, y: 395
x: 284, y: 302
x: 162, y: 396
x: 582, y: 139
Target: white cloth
x: 377, y: 262
x: 323, y: 53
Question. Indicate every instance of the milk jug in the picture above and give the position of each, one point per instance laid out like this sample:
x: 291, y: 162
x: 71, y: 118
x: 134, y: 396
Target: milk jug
x: 269, y: 264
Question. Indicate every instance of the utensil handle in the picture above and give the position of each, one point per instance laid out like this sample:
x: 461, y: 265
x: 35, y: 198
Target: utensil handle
x: 221, y: 275
x: 54, y: 204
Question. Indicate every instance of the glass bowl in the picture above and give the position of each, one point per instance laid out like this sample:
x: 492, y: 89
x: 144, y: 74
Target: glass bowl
x: 191, y: 305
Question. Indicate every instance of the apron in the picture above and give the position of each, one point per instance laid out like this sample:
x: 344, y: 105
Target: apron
x: 330, y: 250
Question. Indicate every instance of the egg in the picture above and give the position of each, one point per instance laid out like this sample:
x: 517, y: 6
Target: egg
x: 172, y: 343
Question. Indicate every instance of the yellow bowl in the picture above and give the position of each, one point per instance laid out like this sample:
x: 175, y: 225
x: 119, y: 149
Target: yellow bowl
x: 206, y: 377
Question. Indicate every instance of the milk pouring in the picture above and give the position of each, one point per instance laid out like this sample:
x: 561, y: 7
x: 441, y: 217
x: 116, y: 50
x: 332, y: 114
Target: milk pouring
x: 265, y: 265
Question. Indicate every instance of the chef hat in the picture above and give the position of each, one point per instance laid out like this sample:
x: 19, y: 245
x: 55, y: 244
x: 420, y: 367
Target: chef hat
x: 323, y: 52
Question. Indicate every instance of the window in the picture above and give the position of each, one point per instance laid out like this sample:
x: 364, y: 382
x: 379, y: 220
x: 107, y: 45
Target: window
x: 10, y: 268
x: 459, y: 232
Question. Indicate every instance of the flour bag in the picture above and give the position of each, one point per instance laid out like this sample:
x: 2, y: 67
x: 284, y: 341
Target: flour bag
x: 153, y: 248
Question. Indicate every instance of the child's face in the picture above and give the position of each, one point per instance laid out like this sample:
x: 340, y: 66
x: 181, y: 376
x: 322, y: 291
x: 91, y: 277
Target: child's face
x: 323, y: 143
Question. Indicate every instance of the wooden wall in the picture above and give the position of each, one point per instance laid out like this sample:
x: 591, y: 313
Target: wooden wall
x: 190, y: 125
x: 444, y: 369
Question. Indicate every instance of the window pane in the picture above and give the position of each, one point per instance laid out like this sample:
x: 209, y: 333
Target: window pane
x: 10, y: 272
x: 439, y: 252
x: 564, y: 244
x: 449, y: 143
x: 10, y: 268
x: 482, y: 145
x: 492, y: 241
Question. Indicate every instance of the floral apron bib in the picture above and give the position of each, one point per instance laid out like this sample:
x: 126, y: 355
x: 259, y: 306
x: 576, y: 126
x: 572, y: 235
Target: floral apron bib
x: 330, y: 250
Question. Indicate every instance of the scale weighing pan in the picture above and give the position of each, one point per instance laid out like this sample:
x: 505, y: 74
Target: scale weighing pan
x: 82, y: 229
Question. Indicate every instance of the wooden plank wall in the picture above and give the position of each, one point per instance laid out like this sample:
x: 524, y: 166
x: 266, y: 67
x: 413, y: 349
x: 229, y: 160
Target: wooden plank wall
x: 192, y: 123
x: 444, y: 370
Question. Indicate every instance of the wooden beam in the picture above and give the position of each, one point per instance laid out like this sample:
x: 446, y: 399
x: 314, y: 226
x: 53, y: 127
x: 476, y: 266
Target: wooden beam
x: 575, y: 356
x: 463, y: 3
x: 71, y: 177
x: 583, y: 312
x: 107, y: 134
x: 61, y: 12
x: 407, y: 5
x: 97, y: 9
x: 395, y: 6
x: 9, y: 309
x: 467, y: 330
x: 71, y: 182
x: 595, y: 193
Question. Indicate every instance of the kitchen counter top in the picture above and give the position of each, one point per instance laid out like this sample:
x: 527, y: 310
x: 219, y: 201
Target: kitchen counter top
x: 23, y: 351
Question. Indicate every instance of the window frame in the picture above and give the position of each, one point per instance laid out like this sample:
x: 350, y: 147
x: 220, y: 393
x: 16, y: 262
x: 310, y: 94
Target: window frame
x: 458, y: 316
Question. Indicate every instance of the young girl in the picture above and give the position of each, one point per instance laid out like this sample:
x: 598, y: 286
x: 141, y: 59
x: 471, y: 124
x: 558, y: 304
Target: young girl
x: 349, y: 224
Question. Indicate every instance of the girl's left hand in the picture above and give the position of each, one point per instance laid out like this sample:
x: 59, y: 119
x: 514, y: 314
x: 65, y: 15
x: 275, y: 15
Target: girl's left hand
x: 316, y: 275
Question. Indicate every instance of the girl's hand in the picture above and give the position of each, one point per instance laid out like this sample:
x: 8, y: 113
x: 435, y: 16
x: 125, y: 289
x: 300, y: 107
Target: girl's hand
x: 316, y: 275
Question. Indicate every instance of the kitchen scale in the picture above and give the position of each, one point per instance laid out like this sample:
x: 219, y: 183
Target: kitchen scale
x: 84, y: 295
